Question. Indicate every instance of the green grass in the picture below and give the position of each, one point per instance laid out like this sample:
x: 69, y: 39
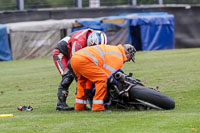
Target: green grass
x: 34, y: 82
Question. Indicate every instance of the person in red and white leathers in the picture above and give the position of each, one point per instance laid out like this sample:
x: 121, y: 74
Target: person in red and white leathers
x: 62, y: 54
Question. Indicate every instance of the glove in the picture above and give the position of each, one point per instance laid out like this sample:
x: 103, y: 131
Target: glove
x: 25, y: 108
x: 89, y: 95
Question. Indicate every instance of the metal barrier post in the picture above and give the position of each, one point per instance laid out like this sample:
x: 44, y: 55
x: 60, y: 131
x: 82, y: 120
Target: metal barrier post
x: 20, y: 5
x: 134, y: 2
x: 160, y: 2
x: 78, y: 3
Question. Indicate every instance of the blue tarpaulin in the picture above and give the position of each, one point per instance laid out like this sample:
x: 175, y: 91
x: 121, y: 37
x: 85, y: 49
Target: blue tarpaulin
x: 116, y: 33
x: 156, y: 30
x: 146, y: 31
x: 5, y: 53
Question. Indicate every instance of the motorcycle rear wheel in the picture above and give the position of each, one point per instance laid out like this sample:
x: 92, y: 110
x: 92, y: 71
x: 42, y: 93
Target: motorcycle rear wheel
x: 151, y: 98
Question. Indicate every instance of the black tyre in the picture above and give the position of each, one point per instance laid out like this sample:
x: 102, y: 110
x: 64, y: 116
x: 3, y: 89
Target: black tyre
x: 151, y: 97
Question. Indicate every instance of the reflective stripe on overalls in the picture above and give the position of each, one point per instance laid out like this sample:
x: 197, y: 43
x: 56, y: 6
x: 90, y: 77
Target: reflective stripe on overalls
x: 81, y: 101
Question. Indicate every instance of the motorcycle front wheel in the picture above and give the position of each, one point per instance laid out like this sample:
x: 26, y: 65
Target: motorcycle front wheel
x: 151, y: 98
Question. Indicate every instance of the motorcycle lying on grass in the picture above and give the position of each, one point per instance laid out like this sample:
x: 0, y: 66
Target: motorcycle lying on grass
x: 125, y: 92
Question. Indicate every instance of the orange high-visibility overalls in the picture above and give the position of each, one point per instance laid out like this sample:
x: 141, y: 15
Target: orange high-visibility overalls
x: 95, y: 64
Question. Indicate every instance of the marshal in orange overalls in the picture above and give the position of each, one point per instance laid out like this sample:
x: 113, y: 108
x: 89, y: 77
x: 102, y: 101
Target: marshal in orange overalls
x: 94, y: 64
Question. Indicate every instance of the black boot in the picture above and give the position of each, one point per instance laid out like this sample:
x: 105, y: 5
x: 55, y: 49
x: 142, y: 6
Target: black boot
x: 63, y: 91
x: 61, y: 103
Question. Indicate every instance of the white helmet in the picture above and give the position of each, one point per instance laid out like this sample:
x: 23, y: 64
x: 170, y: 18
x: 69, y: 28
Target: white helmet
x: 96, y: 38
